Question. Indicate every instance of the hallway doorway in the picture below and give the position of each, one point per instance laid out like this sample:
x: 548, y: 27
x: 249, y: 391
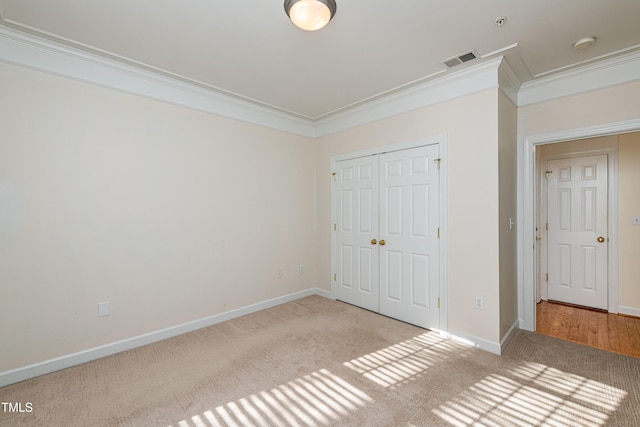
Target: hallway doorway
x: 623, y: 268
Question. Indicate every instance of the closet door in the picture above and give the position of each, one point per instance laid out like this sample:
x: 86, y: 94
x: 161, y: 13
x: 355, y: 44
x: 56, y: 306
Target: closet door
x: 387, y: 244
x: 357, y: 232
x: 408, y: 241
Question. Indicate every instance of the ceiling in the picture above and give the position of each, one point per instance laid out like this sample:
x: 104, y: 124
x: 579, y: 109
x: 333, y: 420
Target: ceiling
x: 371, y: 48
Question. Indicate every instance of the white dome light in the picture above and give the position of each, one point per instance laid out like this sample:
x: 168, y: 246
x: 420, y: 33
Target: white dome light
x: 310, y: 15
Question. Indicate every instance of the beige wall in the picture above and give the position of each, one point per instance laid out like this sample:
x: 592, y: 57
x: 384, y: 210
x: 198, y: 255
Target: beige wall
x: 507, y: 150
x: 629, y: 206
x: 470, y: 124
x: 170, y: 214
x: 174, y: 215
x: 611, y: 105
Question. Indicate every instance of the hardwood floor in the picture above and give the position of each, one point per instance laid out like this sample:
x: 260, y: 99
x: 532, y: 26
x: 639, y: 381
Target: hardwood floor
x: 613, y: 332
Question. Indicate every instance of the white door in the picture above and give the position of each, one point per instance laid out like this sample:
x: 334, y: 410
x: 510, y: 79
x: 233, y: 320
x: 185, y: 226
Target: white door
x: 578, y: 243
x: 388, y: 252
x: 356, y: 227
x: 409, y: 246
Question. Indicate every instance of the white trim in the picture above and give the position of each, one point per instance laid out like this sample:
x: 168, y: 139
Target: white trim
x: 444, y: 231
x: 629, y: 311
x: 448, y: 87
x: 508, y: 82
x: 48, y: 56
x: 43, y: 55
x: 442, y: 141
x: 619, y: 70
x: 334, y: 216
x: 58, y: 363
x: 506, y: 339
x: 406, y: 145
x: 321, y: 292
x: 38, y: 53
x: 527, y: 205
x: 481, y: 343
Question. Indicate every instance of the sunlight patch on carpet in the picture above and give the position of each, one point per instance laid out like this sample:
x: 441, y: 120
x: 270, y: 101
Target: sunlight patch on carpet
x: 533, y: 394
x: 320, y: 398
x: 406, y: 360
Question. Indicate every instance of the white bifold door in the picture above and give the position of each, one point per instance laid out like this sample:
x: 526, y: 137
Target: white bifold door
x: 387, y: 234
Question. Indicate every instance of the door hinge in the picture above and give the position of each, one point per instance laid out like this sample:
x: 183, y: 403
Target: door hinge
x: 438, y: 232
x: 334, y: 176
x: 546, y: 226
x: 546, y: 277
x: 335, y: 228
x: 334, y: 277
x: 438, y: 302
x: 437, y: 162
x: 546, y: 174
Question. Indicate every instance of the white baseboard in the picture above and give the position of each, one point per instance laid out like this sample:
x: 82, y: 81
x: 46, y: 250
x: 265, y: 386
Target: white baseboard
x: 67, y: 361
x: 522, y: 324
x: 484, y: 344
x: 481, y: 343
x: 629, y: 311
x: 323, y: 293
x: 506, y: 339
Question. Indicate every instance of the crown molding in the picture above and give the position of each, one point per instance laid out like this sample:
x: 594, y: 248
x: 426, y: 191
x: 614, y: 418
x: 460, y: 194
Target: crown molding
x: 33, y: 52
x: 55, y: 58
x: 37, y: 53
x: 465, y: 82
x: 611, y: 72
x: 508, y: 81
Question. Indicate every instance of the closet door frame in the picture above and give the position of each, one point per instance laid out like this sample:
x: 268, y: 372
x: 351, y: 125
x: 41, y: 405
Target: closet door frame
x: 441, y: 141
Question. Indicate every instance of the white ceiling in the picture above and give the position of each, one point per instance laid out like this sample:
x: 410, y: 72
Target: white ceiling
x: 250, y: 49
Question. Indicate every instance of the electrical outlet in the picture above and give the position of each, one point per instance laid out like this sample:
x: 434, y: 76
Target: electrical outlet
x: 301, y: 269
x: 278, y: 274
x: 103, y: 309
x: 479, y: 303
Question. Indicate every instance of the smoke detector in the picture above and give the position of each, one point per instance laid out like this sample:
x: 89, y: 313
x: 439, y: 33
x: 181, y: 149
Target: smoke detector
x: 584, y: 43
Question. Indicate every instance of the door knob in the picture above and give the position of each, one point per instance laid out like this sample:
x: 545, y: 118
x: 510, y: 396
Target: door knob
x: 601, y: 239
x: 374, y: 241
x: 382, y: 242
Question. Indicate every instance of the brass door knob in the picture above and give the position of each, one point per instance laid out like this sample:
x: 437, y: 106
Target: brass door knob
x: 601, y: 239
x: 374, y: 241
x: 382, y: 242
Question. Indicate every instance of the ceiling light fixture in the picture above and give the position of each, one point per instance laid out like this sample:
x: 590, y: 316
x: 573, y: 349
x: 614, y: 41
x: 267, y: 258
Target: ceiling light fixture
x: 310, y: 15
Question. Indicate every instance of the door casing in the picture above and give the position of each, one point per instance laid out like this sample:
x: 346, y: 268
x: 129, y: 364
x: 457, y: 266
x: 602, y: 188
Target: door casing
x: 441, y: 140
x: 527, y: 214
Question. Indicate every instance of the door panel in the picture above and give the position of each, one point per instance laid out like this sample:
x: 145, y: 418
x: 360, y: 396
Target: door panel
x: 357, y: 223
x: 409, y: 268
x: 577, y: 203
x: 393, y: 279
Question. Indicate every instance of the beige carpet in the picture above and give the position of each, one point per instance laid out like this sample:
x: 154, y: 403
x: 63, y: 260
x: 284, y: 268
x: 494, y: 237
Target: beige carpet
x: 321, y: 362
